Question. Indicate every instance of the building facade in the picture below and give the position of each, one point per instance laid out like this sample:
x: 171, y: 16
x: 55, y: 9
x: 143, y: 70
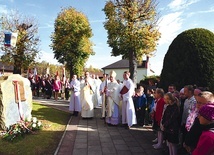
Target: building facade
x: 120, y: 66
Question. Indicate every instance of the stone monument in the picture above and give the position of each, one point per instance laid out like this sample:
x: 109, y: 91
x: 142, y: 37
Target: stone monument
x: 15, y: 100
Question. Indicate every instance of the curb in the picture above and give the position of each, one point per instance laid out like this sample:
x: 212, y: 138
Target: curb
x: 60, y: 143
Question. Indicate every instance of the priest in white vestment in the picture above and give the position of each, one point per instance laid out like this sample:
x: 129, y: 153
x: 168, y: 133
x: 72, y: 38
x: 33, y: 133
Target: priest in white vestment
x: 94, y: 96
x: 128, y: 110
x: 103, y: 85
x: 75, y: 105
x: 112, y: 107
x: 86, y: 94
x: 98, y: 83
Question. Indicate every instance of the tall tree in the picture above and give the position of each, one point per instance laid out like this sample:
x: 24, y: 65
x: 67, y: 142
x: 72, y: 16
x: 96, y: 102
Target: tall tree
x: 70, y: 40
x: 26, y: 49
x: 132, y: 30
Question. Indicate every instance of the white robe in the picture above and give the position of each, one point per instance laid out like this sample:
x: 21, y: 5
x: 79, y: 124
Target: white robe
x: 99, y: 99
x: 75, y: 104
x: 86, y: 95
x: 103, y: 96
x: 96, y: 96
x: 128, y: 110
x: 112, y: 97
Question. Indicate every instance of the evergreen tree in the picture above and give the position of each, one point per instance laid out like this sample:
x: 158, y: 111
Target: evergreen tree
x: 190, y: 60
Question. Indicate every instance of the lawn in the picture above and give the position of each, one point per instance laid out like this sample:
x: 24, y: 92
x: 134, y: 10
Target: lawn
x: 44, y: 141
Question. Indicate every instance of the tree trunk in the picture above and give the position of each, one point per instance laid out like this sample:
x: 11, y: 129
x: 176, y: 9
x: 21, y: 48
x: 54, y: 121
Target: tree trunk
x: 17, y: 65
x: 133, y: 67
x: 71, y: 72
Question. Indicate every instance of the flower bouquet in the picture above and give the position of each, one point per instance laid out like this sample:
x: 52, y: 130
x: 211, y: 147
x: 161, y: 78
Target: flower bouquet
x: 21, y: 128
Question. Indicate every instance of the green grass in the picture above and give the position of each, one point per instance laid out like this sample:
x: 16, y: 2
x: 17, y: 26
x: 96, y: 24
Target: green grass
x: 43, y: 142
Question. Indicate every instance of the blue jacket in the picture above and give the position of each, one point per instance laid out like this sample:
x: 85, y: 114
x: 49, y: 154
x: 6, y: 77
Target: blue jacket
x: 140, y: 101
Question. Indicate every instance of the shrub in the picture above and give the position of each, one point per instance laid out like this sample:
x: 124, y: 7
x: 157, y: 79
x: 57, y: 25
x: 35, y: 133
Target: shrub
x: 190, y: 60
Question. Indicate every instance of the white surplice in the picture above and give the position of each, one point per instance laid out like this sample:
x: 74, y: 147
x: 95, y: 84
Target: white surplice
x: 75, y: 104
x: 128, y: 110
x: 86, y: 100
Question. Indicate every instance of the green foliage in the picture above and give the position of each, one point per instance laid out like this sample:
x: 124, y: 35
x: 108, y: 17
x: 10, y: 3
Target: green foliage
x: 132, y: 30
x: 70, y: 40
x: 26, y: 49
x: 190, y: 60
x: 153, y: 79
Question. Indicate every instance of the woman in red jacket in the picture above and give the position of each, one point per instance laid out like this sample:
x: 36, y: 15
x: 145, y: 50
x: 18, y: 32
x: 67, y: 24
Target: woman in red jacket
x: 158, y: 111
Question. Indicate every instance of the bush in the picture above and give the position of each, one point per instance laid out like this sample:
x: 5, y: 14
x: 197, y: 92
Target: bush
x: 190, y: 60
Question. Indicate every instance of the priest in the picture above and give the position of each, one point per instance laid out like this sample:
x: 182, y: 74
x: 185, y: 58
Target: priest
x: 128, y: 110
x: 86, y: 94
x: 112, y: 107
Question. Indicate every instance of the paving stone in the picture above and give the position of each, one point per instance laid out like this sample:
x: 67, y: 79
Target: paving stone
x: 117, y: 137
x: 93, y: 137
x: 80, y: 151
x: 136, y: 149
x: 119, y: 142
x: 80, y: 146
x: 114, y: 133
x: 107, y: 144
x: 106, y: 139
x: 129, y: 139
x: 97, y: 147
x: 93, y: 133
x: 109, y: 150
x: 94, y: 152
x: 104, y: 135
x: 81, y: 136
x: 121, y: 147
x: 80, y: 140
x: 82, y: 132
x: 94, y: 143
x: 132, y: 143
x: 124, y: 152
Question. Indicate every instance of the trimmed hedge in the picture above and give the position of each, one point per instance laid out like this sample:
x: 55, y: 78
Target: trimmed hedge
x: 190, y: 60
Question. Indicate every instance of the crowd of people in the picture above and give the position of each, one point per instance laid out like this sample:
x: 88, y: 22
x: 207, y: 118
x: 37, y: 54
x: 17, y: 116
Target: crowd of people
x: 114, y: 98
x: 49, y: 86
x: 183, y: 121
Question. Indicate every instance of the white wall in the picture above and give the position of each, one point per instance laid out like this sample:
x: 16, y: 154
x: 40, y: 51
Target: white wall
x: 141, y: 72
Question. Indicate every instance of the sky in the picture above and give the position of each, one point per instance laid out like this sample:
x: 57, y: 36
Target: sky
x: 175, y: 16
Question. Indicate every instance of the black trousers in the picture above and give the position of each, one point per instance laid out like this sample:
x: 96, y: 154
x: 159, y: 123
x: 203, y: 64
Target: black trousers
x: 140, y: 114
x: 66, y: 93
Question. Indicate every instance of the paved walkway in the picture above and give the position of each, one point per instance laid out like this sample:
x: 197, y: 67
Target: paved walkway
x: 94, y: 137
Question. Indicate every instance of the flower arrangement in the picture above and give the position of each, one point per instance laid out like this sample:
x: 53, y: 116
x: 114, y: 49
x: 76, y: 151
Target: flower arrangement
x: 18, y: 130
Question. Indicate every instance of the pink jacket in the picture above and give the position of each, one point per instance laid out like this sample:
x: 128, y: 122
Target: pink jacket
x: 205, y: 144
x: 57, y: 85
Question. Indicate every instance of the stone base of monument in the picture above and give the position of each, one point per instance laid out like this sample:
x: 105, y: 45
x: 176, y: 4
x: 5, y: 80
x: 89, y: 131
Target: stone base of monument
x: 15, y: 100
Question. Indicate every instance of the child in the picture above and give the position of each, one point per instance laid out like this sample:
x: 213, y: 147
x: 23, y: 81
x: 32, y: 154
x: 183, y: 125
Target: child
x: 140, y: 102
x: 170, y: 122
x: 205, y: 144
x: 158, y: 111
